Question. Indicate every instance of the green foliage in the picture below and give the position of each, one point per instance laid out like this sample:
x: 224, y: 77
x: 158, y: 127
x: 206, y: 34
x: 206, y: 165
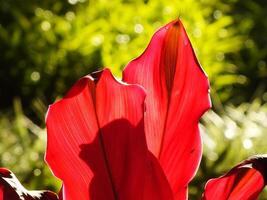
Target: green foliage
x: 22, y: 150
x: 250, y: 21
x: 229, y: 138
x: 46, y: 47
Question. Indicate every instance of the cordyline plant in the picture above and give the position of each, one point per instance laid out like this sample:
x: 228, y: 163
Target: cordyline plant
x: 136, y: 139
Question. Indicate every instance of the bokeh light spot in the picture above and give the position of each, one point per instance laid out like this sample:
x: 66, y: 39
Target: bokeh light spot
x: 138, y: 28
x: 35, y: 76
x: 122, y: 38
x: 45, y: 25
x: 217, y: 14
x: 73, y: 2
x: 247, y: 143
x: 37, y: 172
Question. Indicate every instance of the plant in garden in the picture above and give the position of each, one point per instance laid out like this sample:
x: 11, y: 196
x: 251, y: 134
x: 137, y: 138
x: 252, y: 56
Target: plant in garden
x: 137, y: 139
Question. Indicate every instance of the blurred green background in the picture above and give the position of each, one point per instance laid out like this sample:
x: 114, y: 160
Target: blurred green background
x: 45, y: 46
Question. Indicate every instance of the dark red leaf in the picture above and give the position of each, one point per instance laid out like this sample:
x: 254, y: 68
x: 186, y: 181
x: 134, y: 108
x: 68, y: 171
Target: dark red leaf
x: 96, y: 143
x: 11, y: 189
x: 243, y: 182
x: 177, y: 96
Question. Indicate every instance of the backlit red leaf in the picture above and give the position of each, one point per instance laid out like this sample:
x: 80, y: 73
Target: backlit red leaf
x: 96, y: 143
x: 243, y: 182
x: 11, y: 189
x: 177, y: 96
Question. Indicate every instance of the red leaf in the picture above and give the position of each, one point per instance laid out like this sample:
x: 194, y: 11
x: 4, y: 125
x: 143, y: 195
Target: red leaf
x: 96, y: 143
x: 243, y: 182
x: 177, y: 96
x: 11, y: 189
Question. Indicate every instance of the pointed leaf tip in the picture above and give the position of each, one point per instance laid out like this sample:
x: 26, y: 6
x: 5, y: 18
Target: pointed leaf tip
x: 169, y: 54
x: 177, y: 96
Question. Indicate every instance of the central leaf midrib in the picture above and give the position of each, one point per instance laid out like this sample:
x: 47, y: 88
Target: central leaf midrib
x: 170, y: 51
x: 102, y: 145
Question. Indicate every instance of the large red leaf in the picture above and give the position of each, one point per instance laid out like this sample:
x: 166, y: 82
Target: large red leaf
x: 96, y: 143
x: 177, y: 96
x: 11, y: 189
x: 243, y: 182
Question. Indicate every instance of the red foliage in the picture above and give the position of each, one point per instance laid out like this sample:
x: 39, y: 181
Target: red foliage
x: 137, y: 140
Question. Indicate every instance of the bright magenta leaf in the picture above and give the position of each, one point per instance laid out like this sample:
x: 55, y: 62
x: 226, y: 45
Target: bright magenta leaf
x: 177, y: 96
x: 243, y: 182
x: 11, y: 189
x: 96, y: 143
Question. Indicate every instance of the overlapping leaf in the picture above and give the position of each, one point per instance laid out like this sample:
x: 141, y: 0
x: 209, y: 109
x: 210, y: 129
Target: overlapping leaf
x: 103, y: 144
x: 96, y: 143
x: 177, y: 96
